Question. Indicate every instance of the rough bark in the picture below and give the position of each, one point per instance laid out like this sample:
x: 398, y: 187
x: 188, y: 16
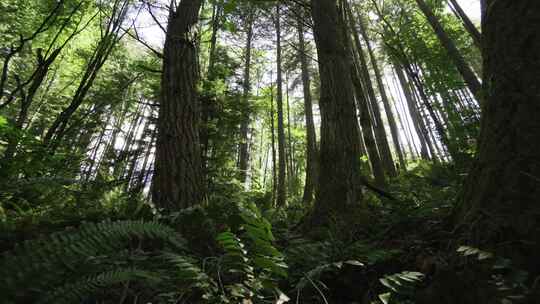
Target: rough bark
x: 464, y: 69
x: 340, y: 178
x: 500, y: 198
x: 312, y: 161
x: 178, y: 180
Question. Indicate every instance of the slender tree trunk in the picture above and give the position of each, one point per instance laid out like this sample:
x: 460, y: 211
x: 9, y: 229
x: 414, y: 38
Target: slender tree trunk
x: 420, y: 132
x: 403, y: 119
x: 422, y: 97
x: 140, y: 178
x: 312, y: 161
x: 111, y: 37
x: 246, y: 87
x: 469, y: 26
x: 340, y: 177
x: 94, y: 156
x: 464, y: 69
x: 137, y: 154
x: 274, y: 156
x: 367, y: 131
x: 281, y: 186
x: 500, y: 197
x: 26, y: 101
x: 382, y: 90
x: 424, y: 123
x: 380, y: 132
x: 206, y: 103
x: 178, y: 179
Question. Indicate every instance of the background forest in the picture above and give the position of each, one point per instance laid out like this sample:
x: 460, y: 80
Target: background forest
x: 294, y: 151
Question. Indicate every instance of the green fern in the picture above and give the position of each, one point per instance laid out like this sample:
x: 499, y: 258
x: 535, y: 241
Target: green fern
x: 401, y: 285
x: 315, y: 273
x: 258, y: 231
x: 78, y: 291
x: 188, y: 272
x: 45, y: 261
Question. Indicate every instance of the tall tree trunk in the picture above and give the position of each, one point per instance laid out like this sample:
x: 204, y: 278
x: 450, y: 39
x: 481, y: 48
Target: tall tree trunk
x: 246, y: 87
x: 382, y: 90
x: 178, y: 179
x: 339, y: 185
x: 206, y: 103
x: 403, y: 119
x: 290, y: 150
x: 312, y: 161
x: 367, y: 131
x: 274, y: 156
x: 464, y: 69
x: 500, y: 198
x: 467, y: 23
x: 281, y: 186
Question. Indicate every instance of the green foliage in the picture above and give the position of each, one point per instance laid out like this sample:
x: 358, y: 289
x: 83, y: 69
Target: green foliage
x: 76, y: 291
x: 402, y: 283
x: 46, y: 261
x: 510, y: 283
x: 253, y: 258
x: 97, y: 259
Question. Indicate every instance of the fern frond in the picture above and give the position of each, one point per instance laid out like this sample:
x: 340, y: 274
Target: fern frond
x: 188, y: 271
x: 78, y: 291
x: 44, y: 260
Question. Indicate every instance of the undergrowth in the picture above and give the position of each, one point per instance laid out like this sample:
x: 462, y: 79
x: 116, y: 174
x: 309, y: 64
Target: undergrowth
x: 237, y: 249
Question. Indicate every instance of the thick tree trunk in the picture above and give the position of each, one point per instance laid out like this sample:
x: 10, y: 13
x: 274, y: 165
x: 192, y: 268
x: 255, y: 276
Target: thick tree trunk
x: 312, y: 158
x: 243, y: 157
x: 464, y: 69
x: 282, y: 160
x: 339, y: 186
x: 178, y: 179
x: 501, y: 195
